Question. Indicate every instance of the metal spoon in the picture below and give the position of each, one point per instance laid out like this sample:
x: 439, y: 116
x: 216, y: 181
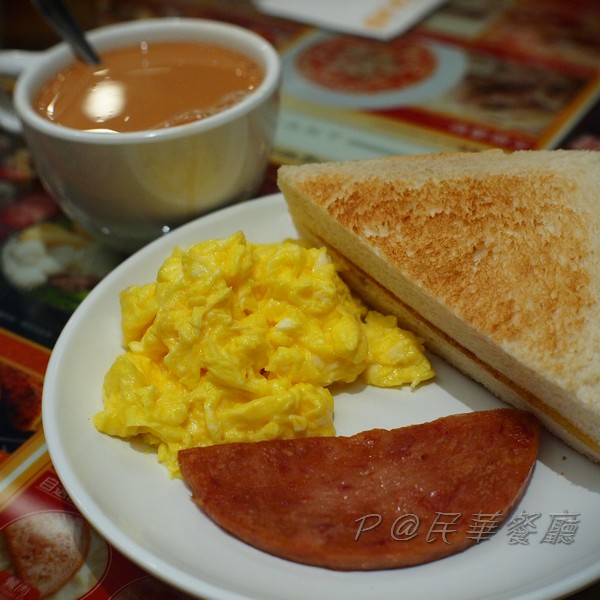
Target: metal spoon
x: 58, y: 16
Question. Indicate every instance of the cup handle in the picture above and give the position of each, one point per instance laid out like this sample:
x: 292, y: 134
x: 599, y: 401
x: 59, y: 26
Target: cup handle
x: 12, y: 64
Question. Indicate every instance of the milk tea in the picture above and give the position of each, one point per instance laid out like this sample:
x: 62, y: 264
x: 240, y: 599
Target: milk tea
x: 148, y: 86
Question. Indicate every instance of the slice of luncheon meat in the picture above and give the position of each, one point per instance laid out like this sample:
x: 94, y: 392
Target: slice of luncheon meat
x: 380, y: 499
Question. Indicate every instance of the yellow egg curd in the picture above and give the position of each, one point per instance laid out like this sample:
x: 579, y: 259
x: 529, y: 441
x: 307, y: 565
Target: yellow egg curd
x: 237, y: 341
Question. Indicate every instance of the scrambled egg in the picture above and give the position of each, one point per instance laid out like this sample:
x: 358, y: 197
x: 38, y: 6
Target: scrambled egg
x: 239, y: 342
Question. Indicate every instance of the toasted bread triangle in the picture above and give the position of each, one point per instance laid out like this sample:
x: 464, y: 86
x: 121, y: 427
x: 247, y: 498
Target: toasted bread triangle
x: 492, y: 258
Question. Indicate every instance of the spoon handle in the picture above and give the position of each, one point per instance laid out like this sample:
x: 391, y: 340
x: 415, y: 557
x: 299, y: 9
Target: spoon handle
x: 61, y: 20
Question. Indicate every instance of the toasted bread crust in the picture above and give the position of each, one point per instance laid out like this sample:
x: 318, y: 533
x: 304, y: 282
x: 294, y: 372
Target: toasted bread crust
x: 467, y: 362
x: 493, y: 251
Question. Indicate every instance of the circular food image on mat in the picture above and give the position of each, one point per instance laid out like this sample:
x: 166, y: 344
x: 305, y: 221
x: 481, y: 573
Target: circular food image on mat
x: 354, y: 65
x: 348, y: 72
x: 56, y: 553
x: 55, y: 263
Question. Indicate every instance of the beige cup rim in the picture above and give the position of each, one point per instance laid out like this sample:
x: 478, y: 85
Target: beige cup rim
x: 159, y: 29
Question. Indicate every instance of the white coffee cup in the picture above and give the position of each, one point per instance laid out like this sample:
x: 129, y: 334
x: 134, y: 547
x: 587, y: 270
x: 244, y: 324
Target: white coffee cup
x: 129, y: 188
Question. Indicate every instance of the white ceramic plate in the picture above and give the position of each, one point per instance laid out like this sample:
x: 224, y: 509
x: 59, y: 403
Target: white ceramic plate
x: 150, y: 518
